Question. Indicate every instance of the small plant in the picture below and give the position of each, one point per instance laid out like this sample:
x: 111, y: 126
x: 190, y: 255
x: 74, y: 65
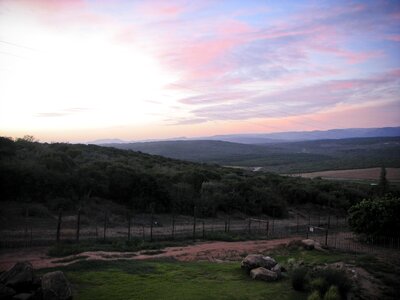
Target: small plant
x: 320, y: 285
x: 314, y: 296
x: 299, y: 278
x: 337, y: 278
x: 332, y: 294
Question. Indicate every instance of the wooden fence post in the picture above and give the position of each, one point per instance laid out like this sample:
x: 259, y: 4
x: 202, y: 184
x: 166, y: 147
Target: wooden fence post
x: 152, y: 222
x: 105, y: 225
x: 78, y: 225
x: 59, y: 226
x: 204, y: 232
x: 173, y: 225
x: 194, y: 222
x: 129, y: 226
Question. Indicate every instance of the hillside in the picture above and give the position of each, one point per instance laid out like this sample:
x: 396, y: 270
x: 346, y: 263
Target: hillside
x: 290, y: 157
x: 67, y: 176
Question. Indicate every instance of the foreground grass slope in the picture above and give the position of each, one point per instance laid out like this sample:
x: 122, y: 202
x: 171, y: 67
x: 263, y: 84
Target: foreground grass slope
x: 171, y: 280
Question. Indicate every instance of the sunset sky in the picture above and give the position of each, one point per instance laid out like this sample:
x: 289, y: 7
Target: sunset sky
x: 82, y: 70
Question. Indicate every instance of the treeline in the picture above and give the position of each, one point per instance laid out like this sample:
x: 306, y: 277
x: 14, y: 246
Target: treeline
x: 64, y: 175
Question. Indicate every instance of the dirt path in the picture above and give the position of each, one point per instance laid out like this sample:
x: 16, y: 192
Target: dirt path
x: 207, y: 251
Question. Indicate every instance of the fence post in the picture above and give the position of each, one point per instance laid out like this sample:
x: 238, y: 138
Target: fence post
x: 204, y: 232
x: 273, y: 221
x: 229, y: 223
x: 59, y: 226
x: 173, y: 225
x: 194, y: 222
x: 267, y: 227
x: 297, y: 221
x: 78, y: 225
x: 105, y: 225
x: 309, y: 225
x: 151, y: 224
x: 249, y: 225
x: 26, y: 227
x: 129, y: 226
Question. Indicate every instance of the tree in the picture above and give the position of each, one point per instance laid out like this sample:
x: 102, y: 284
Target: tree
x: 376, y: 216
x: 383, y: 184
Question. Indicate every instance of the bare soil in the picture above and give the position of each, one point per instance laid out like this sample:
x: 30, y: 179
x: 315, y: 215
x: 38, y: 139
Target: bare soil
x: 207, y: 251
x: 392, y: 174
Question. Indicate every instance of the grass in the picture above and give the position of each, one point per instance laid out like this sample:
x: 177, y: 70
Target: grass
x: 163, y: 279
x: 66, y: 249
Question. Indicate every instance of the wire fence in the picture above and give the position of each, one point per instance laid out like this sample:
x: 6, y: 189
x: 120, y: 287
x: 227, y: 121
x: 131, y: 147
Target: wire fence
x: 331, y: 231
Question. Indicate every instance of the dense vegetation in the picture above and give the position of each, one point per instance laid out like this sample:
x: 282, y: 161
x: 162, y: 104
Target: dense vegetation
x: 64, y: 175
x: 289, y: 157
x: 376, y: 216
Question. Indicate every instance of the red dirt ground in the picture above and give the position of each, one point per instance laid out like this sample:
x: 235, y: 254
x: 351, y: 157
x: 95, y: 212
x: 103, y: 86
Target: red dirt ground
x: 207, y: 251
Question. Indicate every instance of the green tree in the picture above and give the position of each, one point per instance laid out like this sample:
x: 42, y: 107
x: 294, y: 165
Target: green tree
x: 383, y: 184
x: 376, y: 216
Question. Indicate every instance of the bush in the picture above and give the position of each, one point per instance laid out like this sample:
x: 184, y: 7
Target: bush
x: 332, y: 293
x: 299, y: 278
x: 374, y: 217
x: 337, y: 278
x: 314, y: 296
x: 320, y: 285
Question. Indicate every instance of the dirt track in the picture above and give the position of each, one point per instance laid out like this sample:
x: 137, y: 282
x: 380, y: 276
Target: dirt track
x: 208, y: 251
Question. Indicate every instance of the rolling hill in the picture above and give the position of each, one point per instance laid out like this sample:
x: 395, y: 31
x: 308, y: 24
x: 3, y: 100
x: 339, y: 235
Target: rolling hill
x: 289, y: 157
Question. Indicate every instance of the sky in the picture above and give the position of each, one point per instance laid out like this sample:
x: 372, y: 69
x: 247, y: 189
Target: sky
x: 81, y: 70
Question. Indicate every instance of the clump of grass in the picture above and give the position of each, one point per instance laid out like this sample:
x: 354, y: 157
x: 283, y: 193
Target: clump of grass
x: 299, y: 278
x: 332, y: 294
x: 66, y: 249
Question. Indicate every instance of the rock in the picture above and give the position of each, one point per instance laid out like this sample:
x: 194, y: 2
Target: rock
x: 263, y: 274
x: 253, y: 261
x: 278, y: 270
x: 55, y: 286
x: 308, y: 244
x: 6, y: 292
x: 19, y: 277
x: 23, y: 296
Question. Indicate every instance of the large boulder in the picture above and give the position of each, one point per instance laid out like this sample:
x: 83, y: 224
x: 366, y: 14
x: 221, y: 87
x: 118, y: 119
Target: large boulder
x: 254, y: 261
x: 263, y: 274
x: 308, y: 244
x: 278, y: 270
x: 19, y: 277
x: 6, y: 292
x: 55, y: 286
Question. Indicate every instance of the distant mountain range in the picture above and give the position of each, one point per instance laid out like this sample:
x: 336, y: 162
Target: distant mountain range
x: 277, y: 137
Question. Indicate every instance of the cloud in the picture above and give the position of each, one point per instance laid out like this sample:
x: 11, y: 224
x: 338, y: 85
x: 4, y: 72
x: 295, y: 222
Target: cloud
x: 61, y: 113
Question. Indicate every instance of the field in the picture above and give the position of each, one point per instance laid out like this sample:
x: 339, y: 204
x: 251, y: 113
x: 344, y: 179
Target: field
x: 191, y: 272
x: 371, y: 174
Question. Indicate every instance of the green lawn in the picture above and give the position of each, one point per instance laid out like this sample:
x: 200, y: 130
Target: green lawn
x: 128, y: 279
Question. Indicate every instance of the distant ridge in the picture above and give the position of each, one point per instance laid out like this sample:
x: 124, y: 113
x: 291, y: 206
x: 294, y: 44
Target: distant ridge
x: 277, y: 137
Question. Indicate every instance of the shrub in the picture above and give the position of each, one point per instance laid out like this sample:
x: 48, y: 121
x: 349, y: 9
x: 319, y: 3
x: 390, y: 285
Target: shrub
x: 337, y: 278
x: 299, y: 278
x: 314, y: 296
x: 320, y: 285
x: 332, y: 294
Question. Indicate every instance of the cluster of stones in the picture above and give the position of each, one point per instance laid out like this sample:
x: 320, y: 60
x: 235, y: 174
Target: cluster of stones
x: 262, y: 267
x: 21, y: 283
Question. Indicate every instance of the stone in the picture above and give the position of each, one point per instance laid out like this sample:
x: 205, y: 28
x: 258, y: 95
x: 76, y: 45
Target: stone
x: 308, y: 244
x: 6, y: 292
x: 55, y: 286
x: 19, y: 277
x: 253, y: 261
x: 278, y: 270
x: 263, y: 274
